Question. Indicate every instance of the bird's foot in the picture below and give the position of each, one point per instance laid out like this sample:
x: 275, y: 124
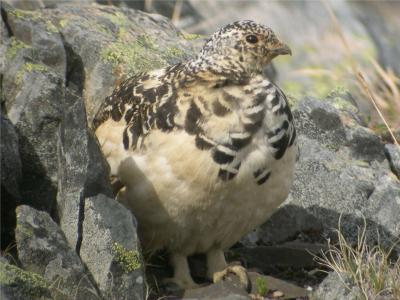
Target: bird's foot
x: 237, y: 270
x: 181, y: 283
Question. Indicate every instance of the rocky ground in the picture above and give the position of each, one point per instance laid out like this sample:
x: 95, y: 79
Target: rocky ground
x: 62, y: 234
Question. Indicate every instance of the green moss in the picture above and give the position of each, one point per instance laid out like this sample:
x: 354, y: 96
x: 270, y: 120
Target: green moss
x: 130, y: 57
x: 342, y: 104
x: 122, y: 33
x: 51, y: 27
x: 33, y: 15
x: 172, y: 52
x: 261, y: 286
x: 129, y: 260
x: 14, y: 47
x: 192, y: 36
x: 138, y: 56
x: 340, y: 89
x: 25, y: 231
x: 17, y: 13
x: 28, y: 68
x: 117, y: 18
x: 63, y: 23
x: 30, y: 283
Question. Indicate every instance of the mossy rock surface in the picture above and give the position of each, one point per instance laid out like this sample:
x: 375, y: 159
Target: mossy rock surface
x: 98, y: 46
x: 19, y: 284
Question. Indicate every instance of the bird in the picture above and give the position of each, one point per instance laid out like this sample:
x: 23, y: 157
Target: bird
x: 204, y: 150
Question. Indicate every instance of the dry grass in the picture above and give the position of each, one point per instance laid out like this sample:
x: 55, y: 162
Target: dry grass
x: 383, y: 91
x: 368, y: 268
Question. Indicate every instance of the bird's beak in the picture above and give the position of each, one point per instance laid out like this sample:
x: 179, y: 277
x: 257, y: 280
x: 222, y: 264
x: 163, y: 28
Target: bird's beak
x: 281, y: 49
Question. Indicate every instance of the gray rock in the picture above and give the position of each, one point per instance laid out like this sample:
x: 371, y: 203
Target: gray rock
x: 3, y: 48
x: 341, y: 171
x: 83, y: 171
x: 41, y: 34
x: 17, y: 284
x: 335, y: 123
x: 365, y: 144
x: 296, y: 220
x: 32, y: 94
x: 383, y: 206
x: 11, y: 174
x: 320, y: 121
x: 335, y: 288
x: 110, y: 249
x: 11, y: 177
x: 35, y: 113
x: 222, y: 290
x: 393, y: 155
x: 43, y: 249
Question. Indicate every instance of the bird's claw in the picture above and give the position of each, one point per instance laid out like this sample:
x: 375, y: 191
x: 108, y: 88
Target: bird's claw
x: 238, y: 271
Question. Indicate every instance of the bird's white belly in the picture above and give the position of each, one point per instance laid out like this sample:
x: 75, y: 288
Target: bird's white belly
x: 180, y: 203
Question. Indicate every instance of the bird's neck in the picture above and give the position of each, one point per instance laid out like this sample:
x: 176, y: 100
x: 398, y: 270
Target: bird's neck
x: 216, y: 69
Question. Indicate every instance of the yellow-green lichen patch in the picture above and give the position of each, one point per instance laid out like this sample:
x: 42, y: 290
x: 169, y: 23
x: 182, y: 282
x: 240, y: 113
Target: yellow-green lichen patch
x: 129, y: 260
x: 172, y: 52
x: 18, y: 13
x: 337, y: 100
x: 261, y: 286
x: 28, y: 68
x: 51, y: 27
x: 131, y: 57
x: 14, y: 47
x: 24, y: 231
x: 141, y: 55
x: 117, y: 18
x: 192, y: 36
x: 30, y: 283
x: 63, y: 22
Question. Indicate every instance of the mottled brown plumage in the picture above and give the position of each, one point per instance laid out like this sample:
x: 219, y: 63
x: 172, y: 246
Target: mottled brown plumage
x: 205, y: 148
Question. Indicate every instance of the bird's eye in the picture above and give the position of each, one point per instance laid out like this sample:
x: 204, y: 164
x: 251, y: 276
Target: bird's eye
x: 252, y: 39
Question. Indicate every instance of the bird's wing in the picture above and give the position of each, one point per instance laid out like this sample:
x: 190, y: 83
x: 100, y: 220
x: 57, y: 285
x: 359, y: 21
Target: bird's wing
x: 140, y: 103
x: 228, y: 130
x: 283, y: 135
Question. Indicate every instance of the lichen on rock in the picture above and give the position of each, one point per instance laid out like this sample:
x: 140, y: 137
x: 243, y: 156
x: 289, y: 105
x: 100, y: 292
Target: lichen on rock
x: 15, y: 282
x: 129, y: 260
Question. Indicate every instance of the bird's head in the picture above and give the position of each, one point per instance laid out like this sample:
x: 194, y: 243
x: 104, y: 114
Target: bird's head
x: 243, y: 45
